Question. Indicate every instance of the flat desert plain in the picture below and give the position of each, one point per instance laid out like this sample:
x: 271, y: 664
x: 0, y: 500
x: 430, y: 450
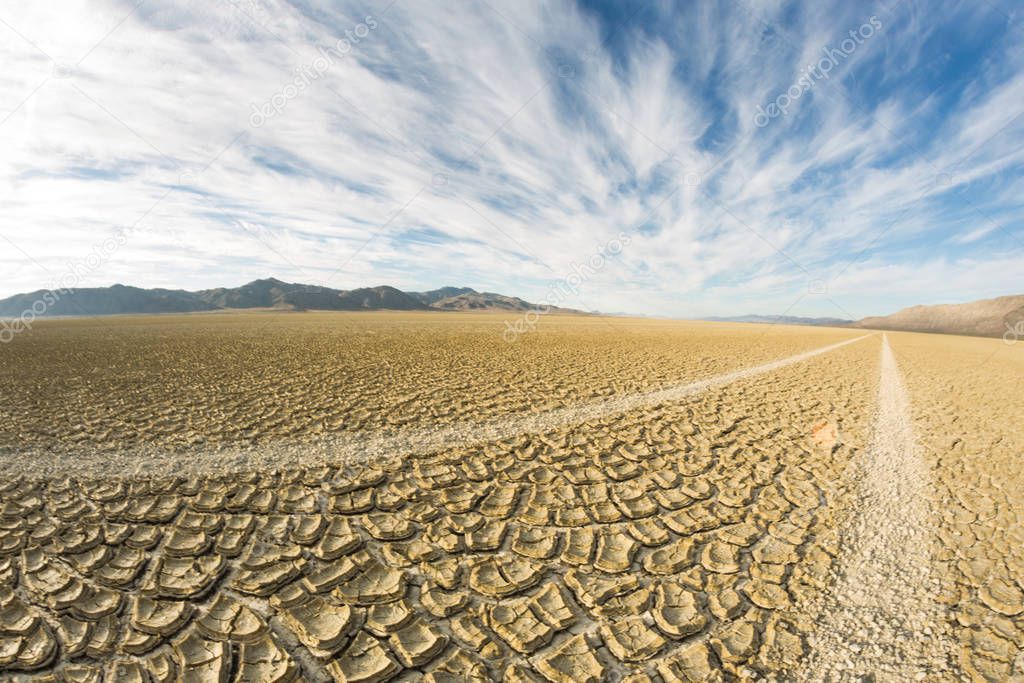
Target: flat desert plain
x: 382, y: 496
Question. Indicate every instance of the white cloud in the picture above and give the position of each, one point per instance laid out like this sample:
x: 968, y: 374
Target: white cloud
x: 498, y: 143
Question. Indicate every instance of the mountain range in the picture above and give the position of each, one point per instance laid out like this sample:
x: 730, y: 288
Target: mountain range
x: 267, y: 293
x: 989, y: 317
x: 781, y: 320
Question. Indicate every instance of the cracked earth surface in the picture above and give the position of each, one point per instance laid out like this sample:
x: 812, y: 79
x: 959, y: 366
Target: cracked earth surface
x: 223, y: 379
x: 965, y: 398
x: 698, y: 537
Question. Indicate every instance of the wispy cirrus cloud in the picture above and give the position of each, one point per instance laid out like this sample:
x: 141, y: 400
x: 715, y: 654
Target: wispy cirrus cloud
x: 497, y: 143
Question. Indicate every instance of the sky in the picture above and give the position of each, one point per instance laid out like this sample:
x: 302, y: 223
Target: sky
x: 679, y: 159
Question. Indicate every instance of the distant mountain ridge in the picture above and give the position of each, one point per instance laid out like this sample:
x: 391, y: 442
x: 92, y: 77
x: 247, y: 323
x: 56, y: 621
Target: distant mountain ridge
x: 986, y: 318
x: 780, y: 320
x: 103, y: 301
x: 265, y: 293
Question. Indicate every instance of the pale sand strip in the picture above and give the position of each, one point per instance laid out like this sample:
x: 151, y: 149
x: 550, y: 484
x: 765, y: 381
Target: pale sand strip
x: 880, y: 620
x: 360, y: 446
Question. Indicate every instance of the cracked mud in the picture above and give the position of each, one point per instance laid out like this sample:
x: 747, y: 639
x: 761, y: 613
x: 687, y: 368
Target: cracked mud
x: 716, y: 534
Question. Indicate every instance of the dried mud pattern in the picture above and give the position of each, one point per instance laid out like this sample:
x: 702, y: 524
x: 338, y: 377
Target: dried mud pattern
x: 361, y: 447
x: 183, y: 381
x: 675, y: 543
x: 965, y: 395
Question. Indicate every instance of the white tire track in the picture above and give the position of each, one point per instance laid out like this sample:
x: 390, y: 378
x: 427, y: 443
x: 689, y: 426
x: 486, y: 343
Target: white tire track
x: 881, y: 620
x: 362, y: 447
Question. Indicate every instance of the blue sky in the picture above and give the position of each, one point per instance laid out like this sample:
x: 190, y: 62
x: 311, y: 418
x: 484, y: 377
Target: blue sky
x: 810, y: 158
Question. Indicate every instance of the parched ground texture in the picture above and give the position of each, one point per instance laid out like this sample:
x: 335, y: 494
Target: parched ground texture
x: 666, y: 502
x: 182, y: 381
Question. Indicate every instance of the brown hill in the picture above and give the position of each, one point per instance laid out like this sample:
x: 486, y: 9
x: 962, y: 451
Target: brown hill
x: 433, y: 296
x: 374, y: 298
x: 489, y: 301
x: 986, y: 318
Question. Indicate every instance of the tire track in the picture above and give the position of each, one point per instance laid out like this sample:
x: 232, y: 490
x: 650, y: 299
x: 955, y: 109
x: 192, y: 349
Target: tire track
x: 880, y: 620
x: 358, y: 447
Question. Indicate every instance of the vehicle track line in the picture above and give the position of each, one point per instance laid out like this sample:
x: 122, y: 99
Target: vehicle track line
x: 880, y: 620
x: 361, y: 447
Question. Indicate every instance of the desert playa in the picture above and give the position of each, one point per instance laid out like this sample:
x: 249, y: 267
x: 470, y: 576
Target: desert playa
x: 402, y: 496
x: 515, y: 341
